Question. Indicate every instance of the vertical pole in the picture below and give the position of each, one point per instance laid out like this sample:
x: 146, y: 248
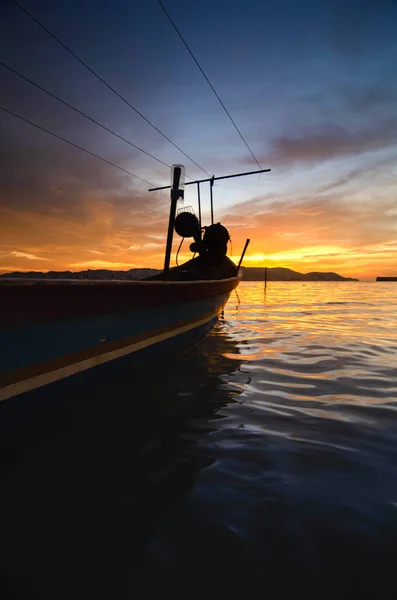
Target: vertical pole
x: 211, y: 198
x: 175, y: 194
x: 242, y: 256
x: 199, y: 202
x: 265, y: 277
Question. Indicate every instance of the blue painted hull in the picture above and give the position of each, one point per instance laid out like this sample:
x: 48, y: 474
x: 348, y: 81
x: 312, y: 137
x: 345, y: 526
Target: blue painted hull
x: 35, y: 342
x: 54, y: 351
x: 124, y: 371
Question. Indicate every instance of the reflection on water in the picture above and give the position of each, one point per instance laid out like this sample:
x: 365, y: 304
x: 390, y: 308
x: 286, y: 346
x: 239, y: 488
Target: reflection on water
x: 82, y: 495
x: 264, y: 457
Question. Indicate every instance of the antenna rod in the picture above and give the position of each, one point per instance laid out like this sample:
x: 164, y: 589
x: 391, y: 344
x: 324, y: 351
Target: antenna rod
x: 167, y: 187
x: 242, y: 256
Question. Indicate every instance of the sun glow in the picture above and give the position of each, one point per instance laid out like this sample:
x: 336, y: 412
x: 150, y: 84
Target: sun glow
x: 308, y: 253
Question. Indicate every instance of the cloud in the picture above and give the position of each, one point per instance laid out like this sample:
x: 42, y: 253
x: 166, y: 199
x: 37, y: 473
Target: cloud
x: 67, y: 206
x: 100, y: 264
x: 26, y: 255
x: 146, y: 245
x: 56, y: 201
x: 329, y: 141
x: 365, y: 101
x: 12, y: 268
x: 334, y: 230
x: 374, y: 168
x: 52, y: 178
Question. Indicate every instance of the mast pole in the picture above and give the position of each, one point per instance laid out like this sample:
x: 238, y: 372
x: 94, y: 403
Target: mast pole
x: 199, y: 203
x: 212, y: 199
x: 176, y: 193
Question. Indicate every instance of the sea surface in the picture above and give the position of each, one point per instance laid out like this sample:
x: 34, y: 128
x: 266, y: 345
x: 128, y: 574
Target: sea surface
x: 262, y: 462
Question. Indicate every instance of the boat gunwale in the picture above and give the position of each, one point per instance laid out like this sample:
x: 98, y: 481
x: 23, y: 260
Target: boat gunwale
x: 85, y: 282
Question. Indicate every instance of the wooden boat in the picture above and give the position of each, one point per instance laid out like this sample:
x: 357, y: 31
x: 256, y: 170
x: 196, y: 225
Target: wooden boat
x: 75, y: 330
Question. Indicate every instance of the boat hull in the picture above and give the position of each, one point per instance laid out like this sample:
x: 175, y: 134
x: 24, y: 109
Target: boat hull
x: 64, y: 341
x: 59, y: 400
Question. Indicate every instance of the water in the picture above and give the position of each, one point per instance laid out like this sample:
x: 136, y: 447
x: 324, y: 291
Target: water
x: 264, y: 459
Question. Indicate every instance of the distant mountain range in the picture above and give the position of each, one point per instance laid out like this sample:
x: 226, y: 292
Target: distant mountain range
x: 283, y: 274
x: 250, y: 274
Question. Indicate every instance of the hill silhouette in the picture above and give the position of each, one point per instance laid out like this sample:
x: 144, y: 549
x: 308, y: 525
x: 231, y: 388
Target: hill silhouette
x: 249, y: 274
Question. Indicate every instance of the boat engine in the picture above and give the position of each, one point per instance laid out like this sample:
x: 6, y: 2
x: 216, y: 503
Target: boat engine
x: 215, y: 241
x: 213, y: 246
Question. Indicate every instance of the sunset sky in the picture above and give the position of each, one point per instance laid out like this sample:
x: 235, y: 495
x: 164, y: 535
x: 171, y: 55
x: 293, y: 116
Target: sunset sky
x: 311, y: 85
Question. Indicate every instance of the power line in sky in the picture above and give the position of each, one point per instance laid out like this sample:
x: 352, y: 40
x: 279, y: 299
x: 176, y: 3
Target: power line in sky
x: 80, y: 112
x: 59, y: 137
x: 208, y: 81
x: 54, y: 37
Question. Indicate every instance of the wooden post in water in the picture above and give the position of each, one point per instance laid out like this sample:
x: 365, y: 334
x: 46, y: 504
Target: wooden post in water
x: 265, y: 277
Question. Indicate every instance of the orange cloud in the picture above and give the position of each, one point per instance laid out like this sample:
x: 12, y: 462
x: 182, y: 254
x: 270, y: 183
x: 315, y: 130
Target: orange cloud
x: 96, y: 220
x: 322, y: 234
x: 100, y: 264
x: 18, y: 254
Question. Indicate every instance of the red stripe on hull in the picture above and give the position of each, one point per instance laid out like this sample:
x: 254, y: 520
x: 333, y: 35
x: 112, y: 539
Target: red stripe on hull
x: 27, y: 301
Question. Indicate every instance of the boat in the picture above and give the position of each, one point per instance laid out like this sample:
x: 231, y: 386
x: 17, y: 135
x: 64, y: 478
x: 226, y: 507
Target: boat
x: 55, y: 332
x: 386, y: 279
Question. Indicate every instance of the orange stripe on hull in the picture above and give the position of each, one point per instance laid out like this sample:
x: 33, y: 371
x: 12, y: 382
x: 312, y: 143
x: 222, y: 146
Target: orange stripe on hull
x: 34, y: 376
